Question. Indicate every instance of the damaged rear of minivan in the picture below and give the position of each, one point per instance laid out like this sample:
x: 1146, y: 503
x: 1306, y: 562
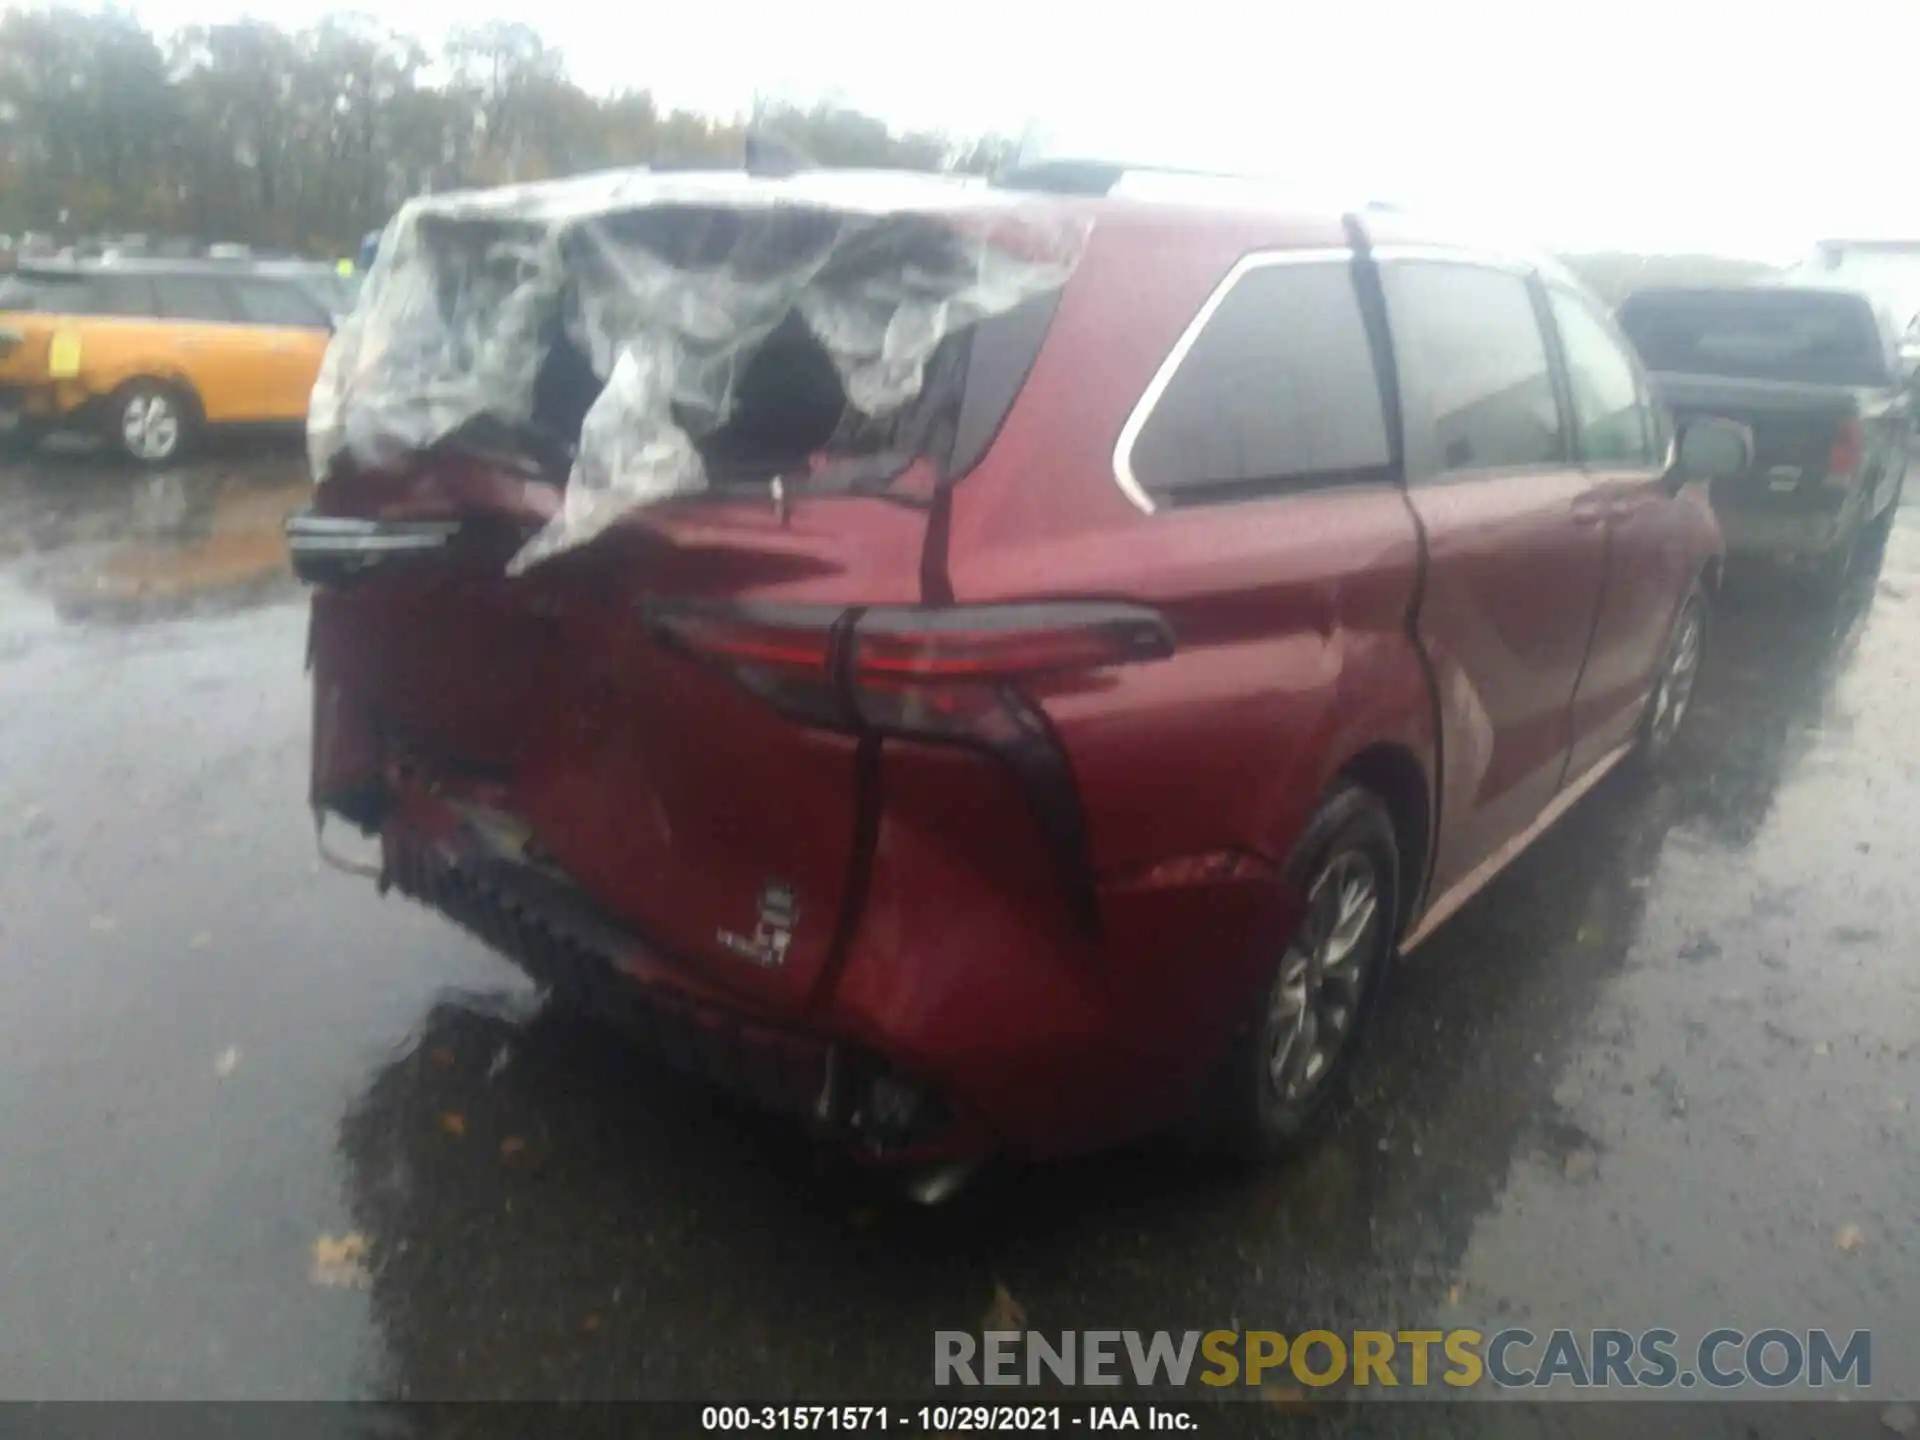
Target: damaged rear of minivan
x: 629, y: 548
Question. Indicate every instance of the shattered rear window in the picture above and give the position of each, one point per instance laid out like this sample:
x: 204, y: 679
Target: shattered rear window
x: 663, y: 333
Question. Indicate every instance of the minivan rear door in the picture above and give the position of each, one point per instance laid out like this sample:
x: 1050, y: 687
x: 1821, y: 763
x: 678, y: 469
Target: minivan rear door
x: 1622, y: 442
x: 661, y: 768
x: 1516, y: 542
x: 666, y: 715
x: 289, y: 330
x: 200, y: 338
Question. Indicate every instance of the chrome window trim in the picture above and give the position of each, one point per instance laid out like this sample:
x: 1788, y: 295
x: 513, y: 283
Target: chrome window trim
x: 1143, y: 408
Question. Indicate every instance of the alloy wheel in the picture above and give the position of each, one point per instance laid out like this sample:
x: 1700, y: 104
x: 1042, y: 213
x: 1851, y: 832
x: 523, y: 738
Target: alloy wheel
x: 1675, y: 692
x: 1317, y: 996
x: 150, y: 425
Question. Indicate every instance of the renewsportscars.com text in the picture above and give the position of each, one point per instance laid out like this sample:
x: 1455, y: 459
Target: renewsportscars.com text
x: 1724, y: 1359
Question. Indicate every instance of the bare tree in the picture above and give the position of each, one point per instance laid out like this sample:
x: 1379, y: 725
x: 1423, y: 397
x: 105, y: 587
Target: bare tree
x: 309, y: 138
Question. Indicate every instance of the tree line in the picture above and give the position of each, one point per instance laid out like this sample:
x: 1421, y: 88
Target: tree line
x: 305, y: 139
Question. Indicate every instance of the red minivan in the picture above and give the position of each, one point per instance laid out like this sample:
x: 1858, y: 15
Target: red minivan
x: 1080, y: 764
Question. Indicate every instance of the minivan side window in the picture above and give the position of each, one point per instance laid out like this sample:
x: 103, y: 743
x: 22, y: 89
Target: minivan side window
x: 1478, y: 387
x: 277, y: 302
x: 17, y: 295
x: 130, y: 297
x: 1616, y: 423
x: 192, y: 297
x: 1276, y: 392
x: 101, y: 295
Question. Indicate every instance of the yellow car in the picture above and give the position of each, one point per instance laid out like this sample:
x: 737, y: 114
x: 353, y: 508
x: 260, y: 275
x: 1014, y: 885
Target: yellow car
x: 148, y: 352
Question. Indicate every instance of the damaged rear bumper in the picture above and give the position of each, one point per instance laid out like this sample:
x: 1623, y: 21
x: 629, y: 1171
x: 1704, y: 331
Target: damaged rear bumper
x: 445, y: 855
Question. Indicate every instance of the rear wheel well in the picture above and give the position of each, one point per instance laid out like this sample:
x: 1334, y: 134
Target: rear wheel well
x: 1396, y: 777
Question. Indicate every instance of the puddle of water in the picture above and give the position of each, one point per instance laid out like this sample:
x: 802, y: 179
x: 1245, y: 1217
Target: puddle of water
x: 243, y: 543
x: 123, y: 548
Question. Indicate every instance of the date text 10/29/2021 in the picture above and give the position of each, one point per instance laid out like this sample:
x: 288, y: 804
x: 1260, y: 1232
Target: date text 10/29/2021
x: 947, y: 1419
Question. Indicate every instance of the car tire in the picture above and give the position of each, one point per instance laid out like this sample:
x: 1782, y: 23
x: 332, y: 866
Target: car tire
x: 1679, y: 676
x: 150, y: 421
x: 1271, y: 1095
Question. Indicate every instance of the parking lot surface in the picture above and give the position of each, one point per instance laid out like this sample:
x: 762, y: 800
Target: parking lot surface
x: 265, y: 1134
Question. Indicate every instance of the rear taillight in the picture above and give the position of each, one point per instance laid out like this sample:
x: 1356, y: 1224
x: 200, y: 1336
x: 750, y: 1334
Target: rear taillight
x: 923, y: 672
x: 944, y: 675
x: 999, y: 642
x: 1848, y: 450
x: 796, y: 638
x: 785, y: 655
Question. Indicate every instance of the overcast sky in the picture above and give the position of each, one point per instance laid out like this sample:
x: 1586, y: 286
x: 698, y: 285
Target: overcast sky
x: 1749, y: 128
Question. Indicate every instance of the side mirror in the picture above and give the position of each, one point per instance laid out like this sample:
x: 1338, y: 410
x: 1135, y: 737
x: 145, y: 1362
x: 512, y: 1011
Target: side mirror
x: 1713, y: 449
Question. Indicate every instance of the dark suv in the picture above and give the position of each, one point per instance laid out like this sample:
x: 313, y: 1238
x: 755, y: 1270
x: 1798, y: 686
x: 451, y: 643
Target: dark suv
x: 1816, y: 375
x: 1222, y: 620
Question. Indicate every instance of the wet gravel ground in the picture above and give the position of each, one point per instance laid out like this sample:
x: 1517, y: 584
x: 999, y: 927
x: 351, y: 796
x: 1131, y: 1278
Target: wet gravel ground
x: 264, y: 1134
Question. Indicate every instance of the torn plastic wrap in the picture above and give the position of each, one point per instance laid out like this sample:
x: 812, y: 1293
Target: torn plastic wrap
x: 663, y: 287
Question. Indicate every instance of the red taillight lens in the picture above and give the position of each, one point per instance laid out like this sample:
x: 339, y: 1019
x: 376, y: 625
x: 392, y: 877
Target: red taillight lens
x: 906, y: 669
x: 1849, y: 449
x: 785, y: 655
x: 796, y: 638
x: 936, y: 674
x: 999, y: 642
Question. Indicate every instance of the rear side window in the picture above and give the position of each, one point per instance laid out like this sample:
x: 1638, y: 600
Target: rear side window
x: 1276, y: 391
x: 1816, y: 337
x: 192, y: 297
x: 277, y: 302
x: 1615, y: 421
x: 105, y: 295
x: 125, y: 296
x: 23, y: 296
x: 1479, y: 390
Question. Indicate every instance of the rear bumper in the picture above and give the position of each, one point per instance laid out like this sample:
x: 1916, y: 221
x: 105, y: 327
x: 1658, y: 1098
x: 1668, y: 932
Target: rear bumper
x: 962, y: 973
x: 568, y: 950
x: 1800, y: 538
x: 546, y: 926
